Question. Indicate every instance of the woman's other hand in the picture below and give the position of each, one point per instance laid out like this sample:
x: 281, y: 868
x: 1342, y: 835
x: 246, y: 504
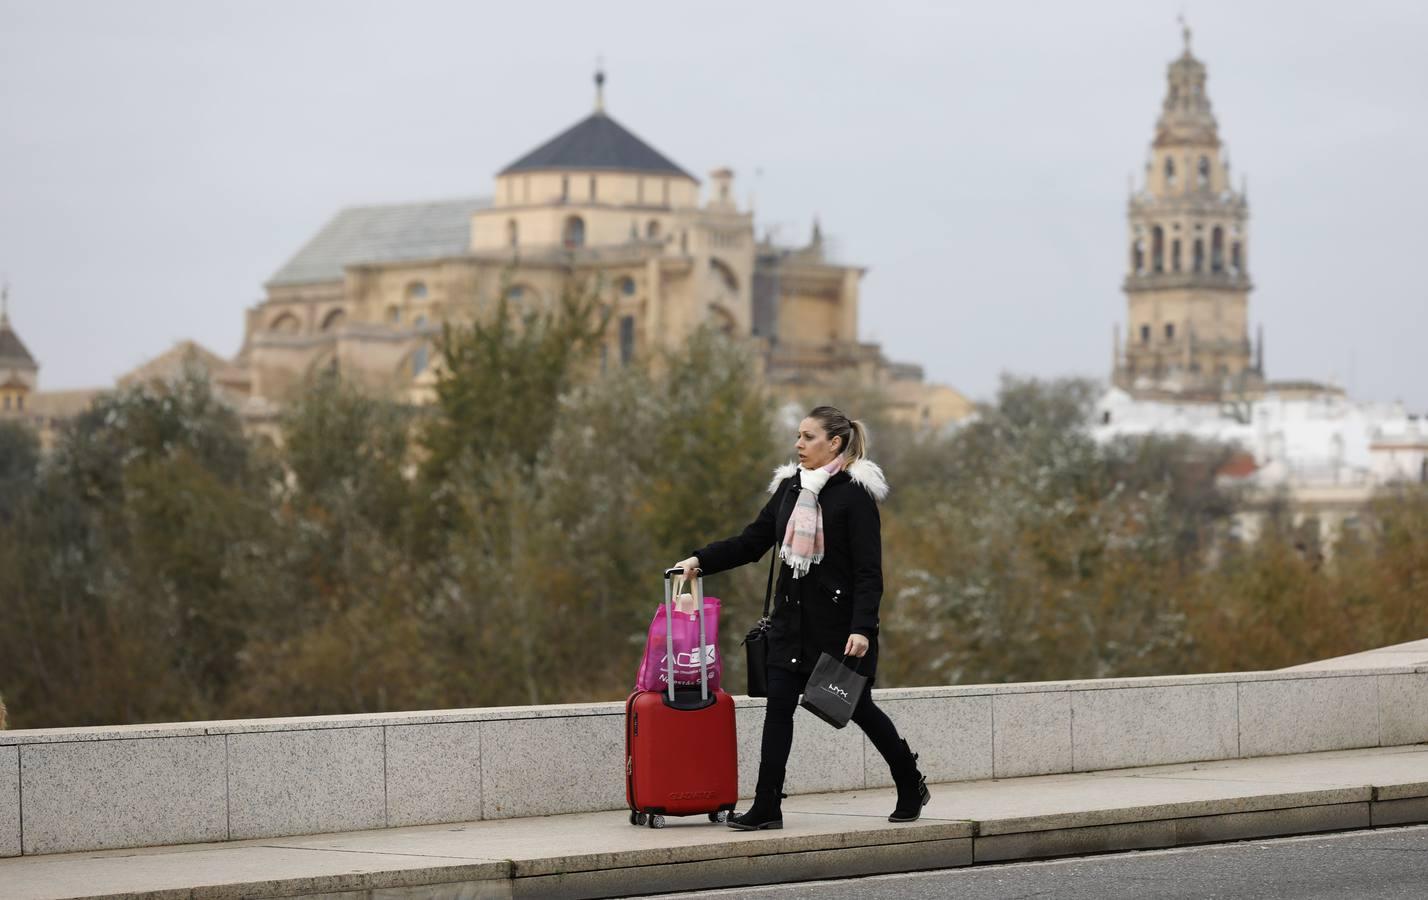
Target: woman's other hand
x: 690, y: 566
x: 857, y: 645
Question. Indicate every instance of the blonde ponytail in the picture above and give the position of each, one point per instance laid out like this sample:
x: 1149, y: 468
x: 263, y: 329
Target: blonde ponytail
x: 857, y: 442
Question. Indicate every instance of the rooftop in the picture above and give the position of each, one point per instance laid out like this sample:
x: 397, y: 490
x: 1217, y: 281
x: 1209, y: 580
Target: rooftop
x: 12, y: 350
x: 596, y: 143
x: 389, y: 233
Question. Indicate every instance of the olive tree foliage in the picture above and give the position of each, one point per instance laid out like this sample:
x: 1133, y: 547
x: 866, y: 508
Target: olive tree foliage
x: 1020, y: 549
x: 137, y: 559
x: 354, y: 631
x: 505, y: 544
x: 555, y: 568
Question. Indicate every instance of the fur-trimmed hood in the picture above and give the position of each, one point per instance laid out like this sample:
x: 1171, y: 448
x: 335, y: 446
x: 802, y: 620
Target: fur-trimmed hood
x: 865, y: 472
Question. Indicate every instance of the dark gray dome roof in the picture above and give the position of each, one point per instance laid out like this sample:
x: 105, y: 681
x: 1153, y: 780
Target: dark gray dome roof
x: 12, y: 350
x: 597, y: 142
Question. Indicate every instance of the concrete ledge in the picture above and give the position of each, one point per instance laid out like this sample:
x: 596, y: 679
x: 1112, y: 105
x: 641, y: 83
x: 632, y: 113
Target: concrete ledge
x: 144, y: 792
x: 1399, y: 812
x: 1254, y: 804
x: 9, y: 801
x: 794, y: 866
x: 277, y: 777
x: 826, y: 836
x: 1169, y: 832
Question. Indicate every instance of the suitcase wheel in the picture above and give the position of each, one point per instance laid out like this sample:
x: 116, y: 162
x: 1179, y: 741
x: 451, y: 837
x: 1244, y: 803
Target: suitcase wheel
x: 638, y: 818
x: 720, y: 816
x: 656, y: 821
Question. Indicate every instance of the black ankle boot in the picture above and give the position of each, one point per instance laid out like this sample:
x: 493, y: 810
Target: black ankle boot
x: 912, y: 792
x: 765, y: 814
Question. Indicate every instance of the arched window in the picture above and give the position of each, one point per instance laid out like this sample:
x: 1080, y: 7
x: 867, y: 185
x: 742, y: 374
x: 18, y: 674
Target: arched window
x: 333, y: 320
x: 1203, y: 169
x: 1157, y: 249
x: 574, y: 235
x: 1170, y: 171
x: 1170, y: 331
x: 1145, y: 334
x: 420, y: 360
x: 287, y: 323
x: 1175, y: 255
x: 627, y: 286
x: 416, y: 290
x: 726, y: 274
x: 652, y: 230
x: 513, y: 233
x: 1217, y: 249
x: 1138, y: 257
x: 564, y: 188
x: 1237, y: 262
x: 627, y: 339
x: 1199, y: 254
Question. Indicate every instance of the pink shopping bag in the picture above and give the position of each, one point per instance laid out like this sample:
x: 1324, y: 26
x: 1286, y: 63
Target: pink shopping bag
x: 653, y: 671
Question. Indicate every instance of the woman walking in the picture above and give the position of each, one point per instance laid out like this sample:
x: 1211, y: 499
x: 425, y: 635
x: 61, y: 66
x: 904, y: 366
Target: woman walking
x: 823, y: 522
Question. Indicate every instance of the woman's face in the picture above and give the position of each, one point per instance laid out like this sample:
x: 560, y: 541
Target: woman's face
x: 813, y: 446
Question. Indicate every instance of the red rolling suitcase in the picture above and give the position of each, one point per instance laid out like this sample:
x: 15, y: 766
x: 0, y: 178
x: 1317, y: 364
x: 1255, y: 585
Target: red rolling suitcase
x: 681, y: 753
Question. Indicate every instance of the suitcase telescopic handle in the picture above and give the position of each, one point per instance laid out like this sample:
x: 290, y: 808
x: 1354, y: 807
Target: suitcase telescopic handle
x: 670, y: 573
x: 669, y: 633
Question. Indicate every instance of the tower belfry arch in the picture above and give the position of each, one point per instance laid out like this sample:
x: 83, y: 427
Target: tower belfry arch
x: 1187, y: 283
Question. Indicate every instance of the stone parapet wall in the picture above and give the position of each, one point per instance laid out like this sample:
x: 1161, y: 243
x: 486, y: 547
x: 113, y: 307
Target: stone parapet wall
x: 74, y: 789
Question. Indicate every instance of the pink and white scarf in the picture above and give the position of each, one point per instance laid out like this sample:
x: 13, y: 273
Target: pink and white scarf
x: 803, y: 539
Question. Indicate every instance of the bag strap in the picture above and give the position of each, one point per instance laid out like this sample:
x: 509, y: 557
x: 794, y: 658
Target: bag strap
x: 768, y: 591
x: 669, y: 589
x: 773, y: 565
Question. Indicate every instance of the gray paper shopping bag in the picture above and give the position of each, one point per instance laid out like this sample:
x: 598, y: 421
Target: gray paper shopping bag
x: 833, y: 691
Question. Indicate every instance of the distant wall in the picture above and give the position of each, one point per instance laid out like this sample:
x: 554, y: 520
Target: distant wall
x: 72, y: 789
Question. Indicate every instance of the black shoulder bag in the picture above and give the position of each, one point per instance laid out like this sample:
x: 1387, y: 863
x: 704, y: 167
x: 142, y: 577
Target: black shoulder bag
x: 756, y: 642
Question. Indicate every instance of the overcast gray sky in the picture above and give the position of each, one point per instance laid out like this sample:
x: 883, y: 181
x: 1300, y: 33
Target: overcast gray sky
x: 160, y: 160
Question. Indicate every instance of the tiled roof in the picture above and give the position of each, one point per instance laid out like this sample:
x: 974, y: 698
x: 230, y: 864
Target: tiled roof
x: 597, y: 142
x: 373, y: 234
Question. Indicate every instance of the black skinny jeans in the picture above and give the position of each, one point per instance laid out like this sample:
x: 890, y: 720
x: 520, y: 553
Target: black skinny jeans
x: 784, y: 688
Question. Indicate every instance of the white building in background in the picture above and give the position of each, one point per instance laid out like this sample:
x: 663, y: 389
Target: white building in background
x: 1187, y: 365
x: 1322, y: 454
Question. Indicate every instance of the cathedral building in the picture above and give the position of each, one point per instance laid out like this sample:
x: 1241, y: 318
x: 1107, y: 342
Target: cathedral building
x: 1187, y: 282
x: 593, y: 206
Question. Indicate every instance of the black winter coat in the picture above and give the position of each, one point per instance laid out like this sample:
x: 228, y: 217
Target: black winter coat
x: 839, y: 596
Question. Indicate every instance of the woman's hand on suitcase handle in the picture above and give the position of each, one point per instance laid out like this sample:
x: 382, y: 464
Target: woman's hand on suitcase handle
x: 857, y: 645
x: 690, y: 567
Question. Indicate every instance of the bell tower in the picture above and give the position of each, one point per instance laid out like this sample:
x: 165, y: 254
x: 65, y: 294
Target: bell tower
x: 1187, y: 282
